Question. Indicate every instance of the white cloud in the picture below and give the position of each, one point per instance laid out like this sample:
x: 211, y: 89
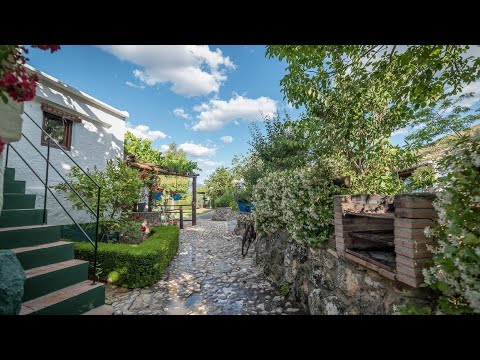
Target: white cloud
x: 475, y: 88
x: 210, y: 162
x: 227, y: 139
x: 217, y: 113
x: 190, y: 69
x: 197, y: 150
x: 134, y: 86
x: 403, y: 131
x: 144, y: 132
x: 164, y: 148
x: 181, y: 113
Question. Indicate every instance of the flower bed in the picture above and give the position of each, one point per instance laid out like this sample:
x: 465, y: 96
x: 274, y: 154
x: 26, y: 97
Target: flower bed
x: 134, y: 265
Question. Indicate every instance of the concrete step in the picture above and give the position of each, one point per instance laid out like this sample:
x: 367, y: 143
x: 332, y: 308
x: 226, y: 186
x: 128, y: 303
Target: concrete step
x: 46, y: 279
x: 23, y: 236
x: 14, y: 186
x: 21, y: 217
x: 9, y: 173
x: 101, y: 310
x: 72, y: 300
x: 44, y: 254
x: 18, y: 201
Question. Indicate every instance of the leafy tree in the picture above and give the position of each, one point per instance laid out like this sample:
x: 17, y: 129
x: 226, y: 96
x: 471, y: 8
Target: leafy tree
x: 356, y: 96
x: 142, y: 149
x: 281, y: 147
x: 219, y: 183
x: 417, y: 75
x: 120, y: 190
x: 249, y: 168
x: 175, y: 160
x: 449, y: 116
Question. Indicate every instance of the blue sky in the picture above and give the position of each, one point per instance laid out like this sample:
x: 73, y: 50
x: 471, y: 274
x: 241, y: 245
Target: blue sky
x: 200, y: 97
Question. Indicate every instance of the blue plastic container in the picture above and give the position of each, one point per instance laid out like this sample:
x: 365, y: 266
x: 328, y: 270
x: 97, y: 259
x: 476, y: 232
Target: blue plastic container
x: 177, y: 197
x: 245, y: 207
x: 158, y: 195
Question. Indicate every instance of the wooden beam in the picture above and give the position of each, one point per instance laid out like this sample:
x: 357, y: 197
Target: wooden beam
x: 194, y: 201
x: 152, y: 167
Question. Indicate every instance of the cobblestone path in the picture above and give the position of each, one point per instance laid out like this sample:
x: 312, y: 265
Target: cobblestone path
x: 207, y: 276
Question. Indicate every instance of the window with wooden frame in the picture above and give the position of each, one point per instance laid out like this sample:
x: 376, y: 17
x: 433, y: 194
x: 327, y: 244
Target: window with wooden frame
x: 58, y: 124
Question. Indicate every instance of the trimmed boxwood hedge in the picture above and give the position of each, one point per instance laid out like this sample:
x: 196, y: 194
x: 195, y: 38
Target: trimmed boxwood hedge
x: 134, y: 265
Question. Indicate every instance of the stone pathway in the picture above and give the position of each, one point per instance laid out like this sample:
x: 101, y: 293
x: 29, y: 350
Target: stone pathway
x: 207, y: 276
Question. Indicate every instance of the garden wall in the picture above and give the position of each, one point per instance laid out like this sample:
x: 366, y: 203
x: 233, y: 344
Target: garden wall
x: 325, y: 283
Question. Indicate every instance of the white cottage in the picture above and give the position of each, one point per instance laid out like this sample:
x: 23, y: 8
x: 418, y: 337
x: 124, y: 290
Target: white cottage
x: 89, y: 130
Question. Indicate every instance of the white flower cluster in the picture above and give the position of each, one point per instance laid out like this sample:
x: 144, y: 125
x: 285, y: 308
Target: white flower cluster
x: 300, y: 201
x: 457, y: 257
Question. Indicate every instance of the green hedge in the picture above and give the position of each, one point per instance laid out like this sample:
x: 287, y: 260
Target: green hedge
x: 134, y: 265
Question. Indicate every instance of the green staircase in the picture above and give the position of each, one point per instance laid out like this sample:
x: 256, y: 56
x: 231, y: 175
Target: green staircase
x: 56, y: 283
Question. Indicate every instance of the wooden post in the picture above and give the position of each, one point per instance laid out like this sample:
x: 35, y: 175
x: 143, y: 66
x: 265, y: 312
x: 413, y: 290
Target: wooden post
x: 194, y: 201
x: 181, y: 217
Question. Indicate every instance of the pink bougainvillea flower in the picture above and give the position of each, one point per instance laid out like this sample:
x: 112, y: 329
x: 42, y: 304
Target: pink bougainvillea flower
x: 52, y: 48
x: 2, y: 146
x: 15, y: 81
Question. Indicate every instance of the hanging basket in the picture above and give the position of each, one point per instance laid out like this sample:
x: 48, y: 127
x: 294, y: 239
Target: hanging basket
x: 177, y: 197
x: 158, y: 195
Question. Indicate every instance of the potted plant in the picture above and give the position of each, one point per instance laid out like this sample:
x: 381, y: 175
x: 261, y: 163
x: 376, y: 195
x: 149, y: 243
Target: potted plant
x: 243, y: 199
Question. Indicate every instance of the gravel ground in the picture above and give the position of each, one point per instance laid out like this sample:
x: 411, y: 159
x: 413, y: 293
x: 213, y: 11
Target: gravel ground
x: 207, y: 276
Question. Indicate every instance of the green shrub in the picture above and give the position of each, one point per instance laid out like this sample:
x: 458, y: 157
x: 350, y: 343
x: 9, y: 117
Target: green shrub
x: 456, y: 258
x: 135, y: 265
x: 422, y: 179
x: 224, y: 200
x: 300, y: 201
x: 410, y: 308
x: 234, y: 205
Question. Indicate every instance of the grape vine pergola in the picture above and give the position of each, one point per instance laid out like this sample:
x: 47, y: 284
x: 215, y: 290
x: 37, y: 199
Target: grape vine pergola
x: 153, y: 168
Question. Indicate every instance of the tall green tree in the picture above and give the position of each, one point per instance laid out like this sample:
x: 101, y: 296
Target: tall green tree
x: 280, y: 148
x: 416, y: 75
x: 357, y: 96
x: 175, y: 159
x: 219, y: 182
x: 142, y: 149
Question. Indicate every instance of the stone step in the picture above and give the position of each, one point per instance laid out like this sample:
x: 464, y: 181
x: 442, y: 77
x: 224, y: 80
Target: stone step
x: 21, y: 217
x: 101, y: 310
x: 44, y: 254
x: 72, y: 300
x: 18, y: 201
x: 9, y: 173
x: 14, y: 186
x: 45, y: 279
x: 23, y: 236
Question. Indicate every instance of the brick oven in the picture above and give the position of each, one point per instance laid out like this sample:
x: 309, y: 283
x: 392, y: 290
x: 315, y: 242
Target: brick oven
x: 385, y: 233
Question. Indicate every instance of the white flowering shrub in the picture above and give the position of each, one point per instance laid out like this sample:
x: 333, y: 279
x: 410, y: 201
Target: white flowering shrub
x: 300, y: 201
x: 267, y: 198
x: 456, y: 269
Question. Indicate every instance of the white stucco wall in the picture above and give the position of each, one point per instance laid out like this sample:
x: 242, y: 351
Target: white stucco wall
x: 96, y: 139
